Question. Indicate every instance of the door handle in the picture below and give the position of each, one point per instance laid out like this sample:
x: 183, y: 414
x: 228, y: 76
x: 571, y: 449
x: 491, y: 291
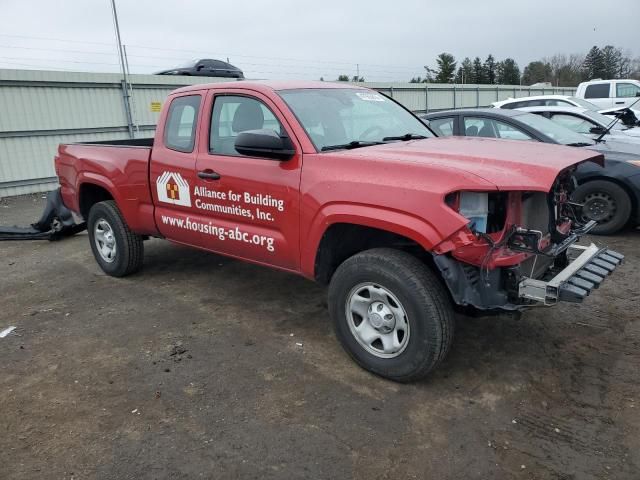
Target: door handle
x: 209, y: 175
x: 619, y: 103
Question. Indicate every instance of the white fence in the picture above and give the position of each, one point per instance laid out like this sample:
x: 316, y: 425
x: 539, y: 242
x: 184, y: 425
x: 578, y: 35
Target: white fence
x: 41, y: 109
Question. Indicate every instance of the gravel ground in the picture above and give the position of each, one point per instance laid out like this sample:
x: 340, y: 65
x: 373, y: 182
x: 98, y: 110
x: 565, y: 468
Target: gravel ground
x: 206, y: 367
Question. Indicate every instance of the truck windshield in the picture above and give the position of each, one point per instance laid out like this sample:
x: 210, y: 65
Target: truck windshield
x: 351, y: 117
x: 559, y: 133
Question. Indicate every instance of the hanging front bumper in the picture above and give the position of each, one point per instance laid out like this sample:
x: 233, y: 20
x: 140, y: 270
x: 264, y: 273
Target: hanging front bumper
x: 587, y: 270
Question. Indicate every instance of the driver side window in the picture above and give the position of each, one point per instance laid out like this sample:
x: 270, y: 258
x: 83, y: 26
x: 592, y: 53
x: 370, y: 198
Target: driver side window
x: 233, y: 115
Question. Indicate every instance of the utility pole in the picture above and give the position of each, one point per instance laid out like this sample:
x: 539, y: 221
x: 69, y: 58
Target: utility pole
x: 125, y: 90
x: 357, y: 72
x: 134, y: 113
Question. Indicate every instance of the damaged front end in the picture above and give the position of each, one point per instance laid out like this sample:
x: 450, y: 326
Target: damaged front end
x: 519, y: 250
x: 56, y: 222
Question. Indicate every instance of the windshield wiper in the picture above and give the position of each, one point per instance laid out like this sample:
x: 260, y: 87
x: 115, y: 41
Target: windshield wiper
x: 405, y: 137
x: 610, y: 126
x: 579, y: 144
x: 350, y: 145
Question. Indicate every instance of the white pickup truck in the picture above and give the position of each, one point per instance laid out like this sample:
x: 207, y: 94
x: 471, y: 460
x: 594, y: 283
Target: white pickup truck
x: 609, y: 93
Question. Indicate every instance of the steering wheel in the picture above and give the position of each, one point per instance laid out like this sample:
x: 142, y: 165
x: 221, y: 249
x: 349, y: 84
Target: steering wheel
x: 370, y: 131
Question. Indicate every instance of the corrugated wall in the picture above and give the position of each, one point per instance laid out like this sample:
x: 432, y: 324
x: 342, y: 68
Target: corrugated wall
x: 41, y: 109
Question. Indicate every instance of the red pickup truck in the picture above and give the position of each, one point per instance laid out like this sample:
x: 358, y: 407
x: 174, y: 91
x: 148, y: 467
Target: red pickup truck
x: 344, y: 186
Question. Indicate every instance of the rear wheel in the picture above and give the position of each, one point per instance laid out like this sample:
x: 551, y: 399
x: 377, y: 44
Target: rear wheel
x: 605, y: 202
x: 391, y: 314
x: 118, y: 250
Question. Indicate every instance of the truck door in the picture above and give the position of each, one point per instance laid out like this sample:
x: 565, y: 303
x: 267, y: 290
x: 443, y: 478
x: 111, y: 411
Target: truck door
x: 172, y: 168
x: 248, y: 207
x: 626, y: 93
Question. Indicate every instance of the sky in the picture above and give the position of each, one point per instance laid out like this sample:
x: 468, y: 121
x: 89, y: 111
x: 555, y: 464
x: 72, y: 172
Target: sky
x: 295, y: 39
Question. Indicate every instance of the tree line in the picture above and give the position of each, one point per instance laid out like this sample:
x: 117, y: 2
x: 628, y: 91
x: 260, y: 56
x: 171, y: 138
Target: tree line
x: 560, y: 70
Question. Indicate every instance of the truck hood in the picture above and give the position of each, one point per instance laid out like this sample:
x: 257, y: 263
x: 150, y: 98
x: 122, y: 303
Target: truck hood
x: 506, y: 164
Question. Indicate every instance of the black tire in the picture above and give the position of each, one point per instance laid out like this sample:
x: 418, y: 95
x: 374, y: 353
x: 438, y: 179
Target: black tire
x: 605, y: 202
x: 129, y: 251
x: 429, y: 313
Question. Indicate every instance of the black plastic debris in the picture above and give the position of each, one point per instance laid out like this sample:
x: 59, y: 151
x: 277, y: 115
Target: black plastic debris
x: 55, y: 223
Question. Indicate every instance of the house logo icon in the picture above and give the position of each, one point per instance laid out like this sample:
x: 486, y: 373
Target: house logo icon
x: 172, y: 188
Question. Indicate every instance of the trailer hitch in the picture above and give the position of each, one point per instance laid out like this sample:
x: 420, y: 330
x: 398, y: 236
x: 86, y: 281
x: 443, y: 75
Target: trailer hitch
x: 56, y: 222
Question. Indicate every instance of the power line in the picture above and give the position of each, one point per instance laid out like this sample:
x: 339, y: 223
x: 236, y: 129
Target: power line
x: 30, y: 37
x: 36, y: 66
x: 253, y: 72
x: 199, y: 52
x: 316, y: 68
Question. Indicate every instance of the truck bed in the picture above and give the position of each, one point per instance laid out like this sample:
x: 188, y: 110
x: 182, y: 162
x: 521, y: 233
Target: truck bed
x: 119, y: 168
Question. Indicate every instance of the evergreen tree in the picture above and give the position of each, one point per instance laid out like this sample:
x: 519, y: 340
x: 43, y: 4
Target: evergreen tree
x: 611, y: 61
x: 508, y: 72
x: 537, y: 72
x: 465, y: 71
x: 446, y: 68
x: 478, y: 71
x: 594, y: 66
x: 490, y: 73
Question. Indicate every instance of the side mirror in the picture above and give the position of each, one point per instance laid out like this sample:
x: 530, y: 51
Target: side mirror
x: 264, y: 143
x: 596, y: 130
x: 637, y: 94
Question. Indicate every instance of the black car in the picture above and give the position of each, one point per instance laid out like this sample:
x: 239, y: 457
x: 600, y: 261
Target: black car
x: 206, y: 67
x: 610, y: 194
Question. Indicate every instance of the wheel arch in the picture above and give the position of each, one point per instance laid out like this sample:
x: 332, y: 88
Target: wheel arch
x: 339, y: 235
x: 90, y: 193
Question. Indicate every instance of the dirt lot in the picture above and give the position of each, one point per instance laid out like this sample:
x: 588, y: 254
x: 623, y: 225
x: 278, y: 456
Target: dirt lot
x: 205, y: 367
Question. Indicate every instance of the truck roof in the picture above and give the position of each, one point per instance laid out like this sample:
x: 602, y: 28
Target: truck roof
x: 267, y: 85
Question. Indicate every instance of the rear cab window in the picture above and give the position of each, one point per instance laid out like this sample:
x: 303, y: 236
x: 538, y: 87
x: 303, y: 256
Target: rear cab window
x: 182, y: 119
x: 597, y: 90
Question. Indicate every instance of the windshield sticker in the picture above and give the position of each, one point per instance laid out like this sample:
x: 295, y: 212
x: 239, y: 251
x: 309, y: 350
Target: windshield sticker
x: 370, y: 97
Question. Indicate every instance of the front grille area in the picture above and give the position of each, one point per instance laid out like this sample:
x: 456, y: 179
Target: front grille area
x: 535, y: 212
x: 535, y: 216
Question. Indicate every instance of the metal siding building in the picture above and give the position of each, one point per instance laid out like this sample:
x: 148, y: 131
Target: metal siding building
x: 41, y: 109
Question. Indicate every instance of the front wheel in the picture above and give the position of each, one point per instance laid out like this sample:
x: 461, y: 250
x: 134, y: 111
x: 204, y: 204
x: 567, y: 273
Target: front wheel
x: 605, y: 202
x: 118, y: 250
x: 391, y: 314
